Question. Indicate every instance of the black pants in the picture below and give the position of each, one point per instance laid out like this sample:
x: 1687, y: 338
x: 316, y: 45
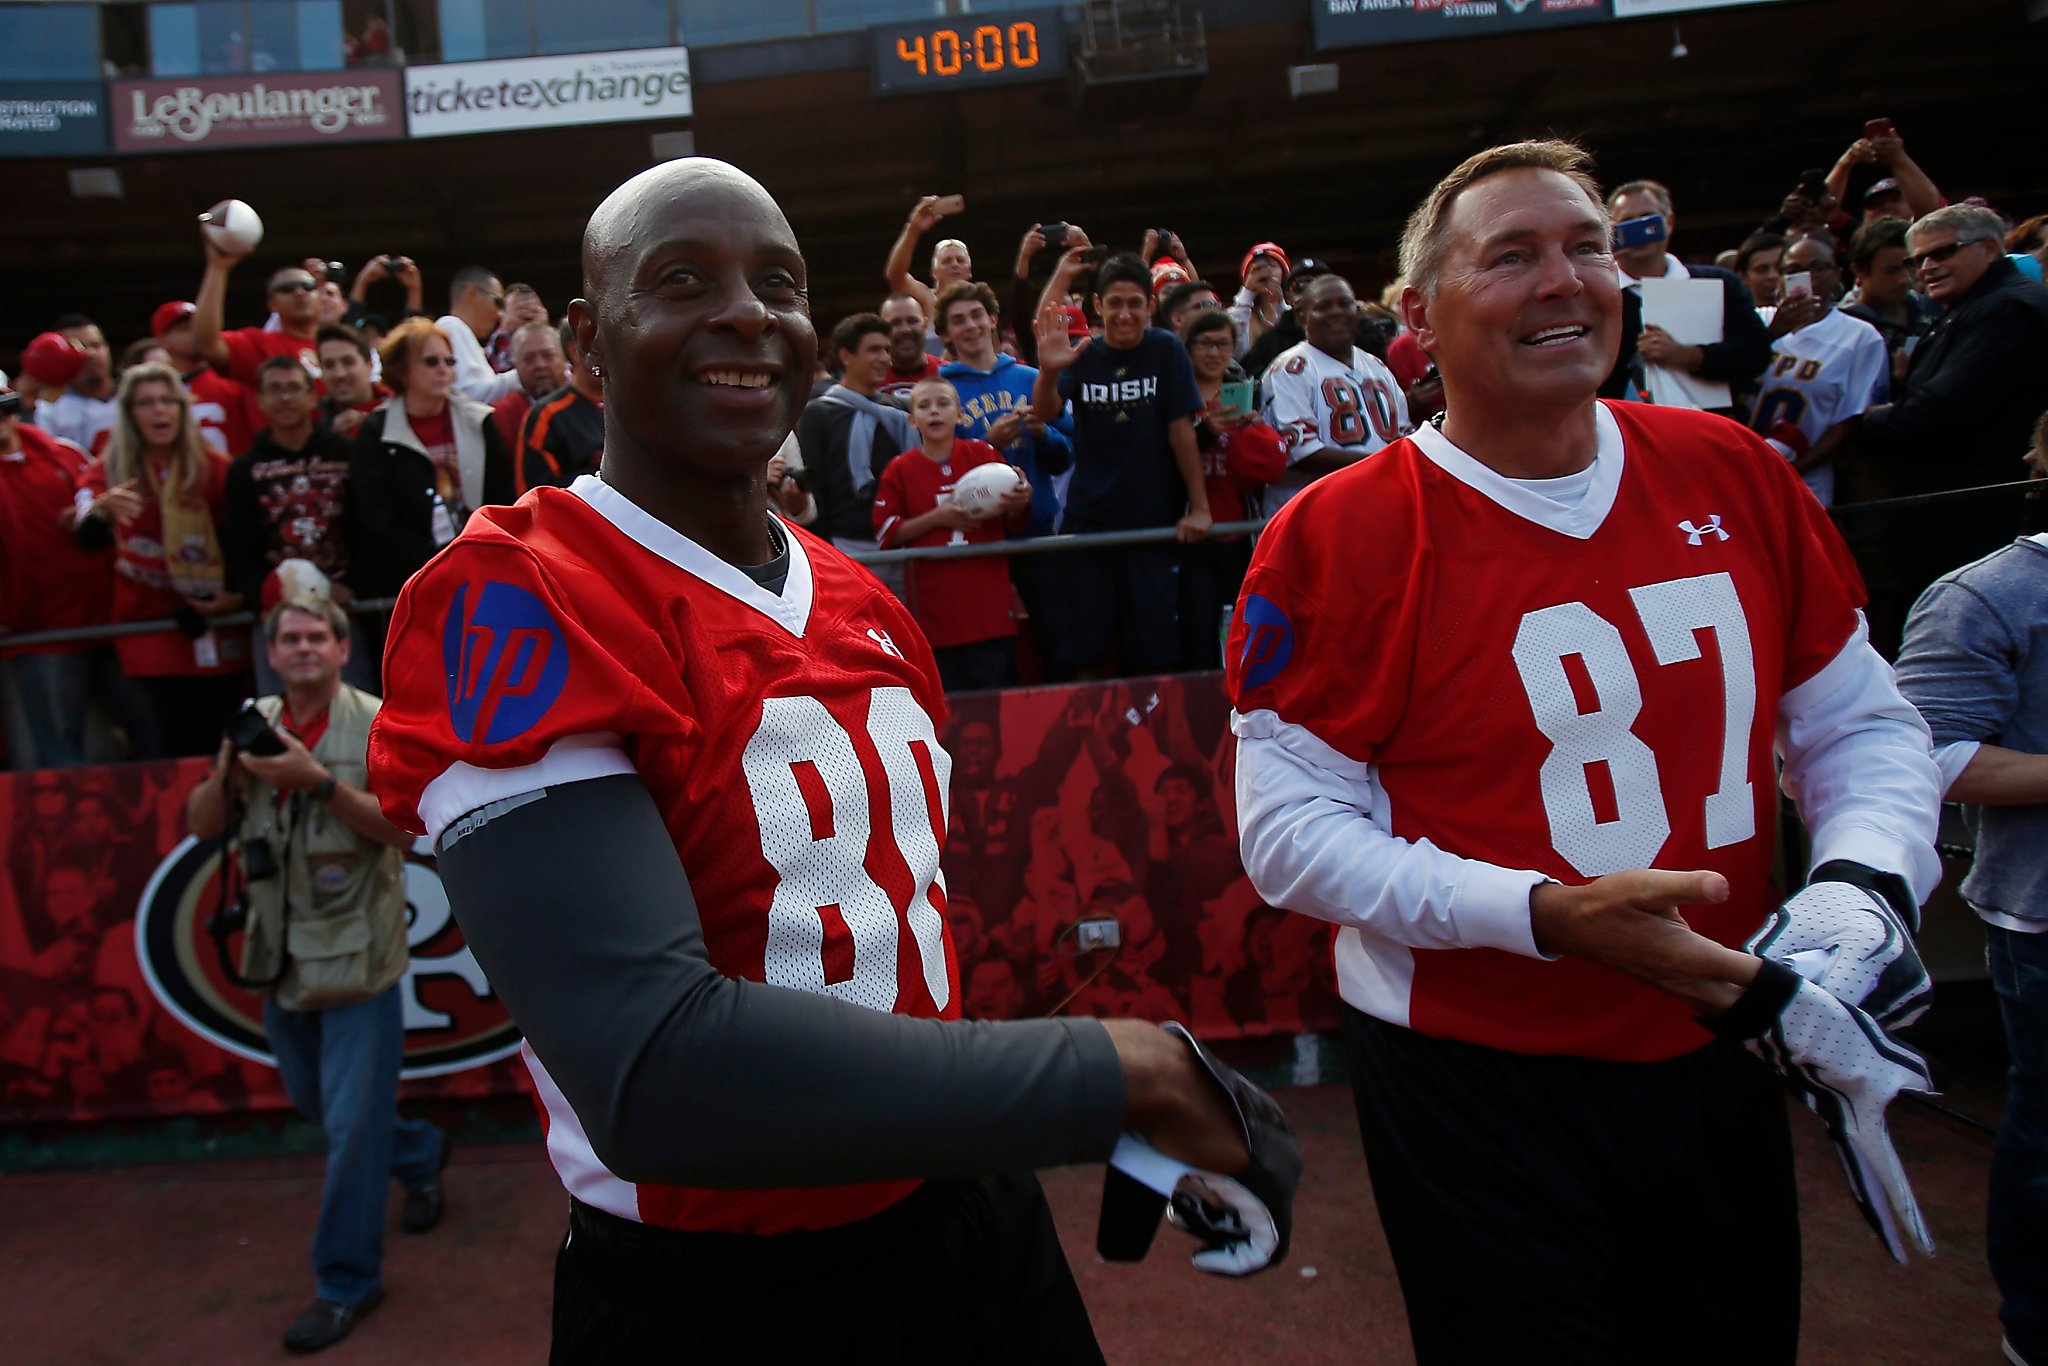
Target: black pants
x: 1569, y: 1210
x: 977, y: 665
x: 959, y: 1271
x: 1211, y: 573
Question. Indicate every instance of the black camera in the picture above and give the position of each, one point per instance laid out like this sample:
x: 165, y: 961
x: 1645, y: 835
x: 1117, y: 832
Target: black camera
x: 1813, y: 185
x: 394, y: 264
x: 1055, y: 235
x: 248, y: 732
x: 335, y: 270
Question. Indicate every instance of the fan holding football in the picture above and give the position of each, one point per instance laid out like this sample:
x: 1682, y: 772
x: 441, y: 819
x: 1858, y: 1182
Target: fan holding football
x: 233, y: 227
x: 979, y: 492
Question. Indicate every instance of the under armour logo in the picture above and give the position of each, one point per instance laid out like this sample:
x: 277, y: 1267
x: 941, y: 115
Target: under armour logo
x: 881, y: 638
x: 1694, y: 535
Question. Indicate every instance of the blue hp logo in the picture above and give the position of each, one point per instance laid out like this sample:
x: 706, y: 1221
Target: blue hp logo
x: 1268, y: 641
x: 506, y: 662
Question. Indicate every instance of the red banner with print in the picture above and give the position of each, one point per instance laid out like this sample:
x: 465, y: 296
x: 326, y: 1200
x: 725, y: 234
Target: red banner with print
x: 1091, y: 866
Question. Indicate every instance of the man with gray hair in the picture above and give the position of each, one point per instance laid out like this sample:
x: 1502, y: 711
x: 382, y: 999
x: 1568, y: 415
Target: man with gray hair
x: 1478, y: 732
x: 1977, y: 385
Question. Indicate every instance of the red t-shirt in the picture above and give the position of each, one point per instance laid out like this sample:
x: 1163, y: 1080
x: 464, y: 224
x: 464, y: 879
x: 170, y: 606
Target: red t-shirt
x: 1407, y: 359
x: 1238, y: 464
x: 509, y: 413
x: 437, y: 434
x: 1570, y: 691
x: 249, y: 347
x: 956, y: 602
x: 143, y: 592
x: 46, y: 582
x: 789, y: 740
x: 902, y: 382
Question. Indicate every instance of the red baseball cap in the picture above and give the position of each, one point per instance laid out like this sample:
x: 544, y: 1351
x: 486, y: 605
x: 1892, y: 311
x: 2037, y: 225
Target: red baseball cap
x: 1077, y: 322
x: 168, y: 316
x: 1259, y: 249
x: 52, y: 358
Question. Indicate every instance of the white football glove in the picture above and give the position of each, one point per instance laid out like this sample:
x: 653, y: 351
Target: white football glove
x: 1845, y: 932
x: 1847, y: 1069
x: 1243, y: 1222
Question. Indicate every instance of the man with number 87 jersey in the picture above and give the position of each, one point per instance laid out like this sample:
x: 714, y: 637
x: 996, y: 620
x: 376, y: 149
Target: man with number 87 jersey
x: 680, y: 763
x: 1332, y: 402
x: 1506, y: 696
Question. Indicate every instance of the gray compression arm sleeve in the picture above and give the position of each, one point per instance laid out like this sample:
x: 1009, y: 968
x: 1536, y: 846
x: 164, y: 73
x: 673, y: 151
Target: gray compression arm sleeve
x: 578, y: 910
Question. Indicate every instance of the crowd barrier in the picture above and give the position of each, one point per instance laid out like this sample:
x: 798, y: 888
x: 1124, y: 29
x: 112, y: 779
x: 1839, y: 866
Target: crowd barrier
x: 1086, y: 803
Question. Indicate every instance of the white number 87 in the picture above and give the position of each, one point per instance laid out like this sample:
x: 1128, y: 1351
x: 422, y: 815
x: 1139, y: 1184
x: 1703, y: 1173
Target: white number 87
x: 1670, y: 612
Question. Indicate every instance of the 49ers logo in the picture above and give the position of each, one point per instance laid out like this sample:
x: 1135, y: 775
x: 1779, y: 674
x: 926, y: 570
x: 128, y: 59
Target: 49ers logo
x: 506, y: 662
x: 453, y: 1021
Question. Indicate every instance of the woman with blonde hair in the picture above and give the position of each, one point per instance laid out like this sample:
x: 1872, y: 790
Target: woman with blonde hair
x: 422, y: 463
x: 158, y: 496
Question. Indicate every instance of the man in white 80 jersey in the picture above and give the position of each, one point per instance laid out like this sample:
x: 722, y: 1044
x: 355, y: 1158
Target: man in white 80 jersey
x: 1821, y: 375
x: 1331, y: 402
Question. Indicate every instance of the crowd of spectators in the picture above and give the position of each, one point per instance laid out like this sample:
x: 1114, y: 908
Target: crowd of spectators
x: 1887, y: 342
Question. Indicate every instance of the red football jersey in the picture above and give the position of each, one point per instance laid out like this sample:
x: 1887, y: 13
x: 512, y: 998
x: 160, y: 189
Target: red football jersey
x: 143, y: 591
x: 955, y: 602
x: 46, y: 582
x: 791, y: 743
x: 226, y: 412
x: 1572, y: 691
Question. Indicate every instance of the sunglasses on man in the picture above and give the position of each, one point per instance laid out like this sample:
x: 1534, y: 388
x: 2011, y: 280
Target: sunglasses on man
x: 1936, y: 255
x: 295, y: 287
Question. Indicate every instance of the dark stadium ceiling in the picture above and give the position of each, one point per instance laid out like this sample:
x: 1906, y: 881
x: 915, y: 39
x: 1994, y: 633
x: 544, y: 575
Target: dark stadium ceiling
x: 1763, y: 93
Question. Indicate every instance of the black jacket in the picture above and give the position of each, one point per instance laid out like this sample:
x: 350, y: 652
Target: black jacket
x: 391, y: 493
x: 1978, y: 384
x: 1736, y: 360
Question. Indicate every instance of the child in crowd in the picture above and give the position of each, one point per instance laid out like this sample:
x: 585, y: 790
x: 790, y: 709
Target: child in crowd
x: 965, y: 606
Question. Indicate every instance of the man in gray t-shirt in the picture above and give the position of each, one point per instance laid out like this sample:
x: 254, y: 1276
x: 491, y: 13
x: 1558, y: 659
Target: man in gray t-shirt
x: 1975, y: 662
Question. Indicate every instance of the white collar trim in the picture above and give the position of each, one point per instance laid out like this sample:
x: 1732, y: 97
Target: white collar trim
x: 790, y: 609
x: 1577, y: 522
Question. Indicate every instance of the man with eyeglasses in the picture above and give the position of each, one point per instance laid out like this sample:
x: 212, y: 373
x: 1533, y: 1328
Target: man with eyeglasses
x: 1977, y: 385
x: 476, y: 305
x: 293, y: 295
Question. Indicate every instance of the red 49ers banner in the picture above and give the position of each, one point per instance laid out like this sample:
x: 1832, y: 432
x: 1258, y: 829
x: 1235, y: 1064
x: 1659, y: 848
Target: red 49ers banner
x: 1091, y: 868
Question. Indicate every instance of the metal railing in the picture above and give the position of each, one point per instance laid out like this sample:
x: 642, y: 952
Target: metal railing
x: 1035, y: 545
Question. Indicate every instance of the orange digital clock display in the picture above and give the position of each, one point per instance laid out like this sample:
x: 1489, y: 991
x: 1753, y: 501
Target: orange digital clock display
x: 925, y: 56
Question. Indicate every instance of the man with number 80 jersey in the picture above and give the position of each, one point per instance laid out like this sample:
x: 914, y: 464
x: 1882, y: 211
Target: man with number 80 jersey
x: 681, y: 767
x: 1332, y: 402
x: 1506, y: 697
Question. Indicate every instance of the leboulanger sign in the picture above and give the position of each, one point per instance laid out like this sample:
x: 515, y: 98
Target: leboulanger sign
x: 202, y: 114
x: 1366, y: 23
x: 548, y: 92
x: 52, y: 118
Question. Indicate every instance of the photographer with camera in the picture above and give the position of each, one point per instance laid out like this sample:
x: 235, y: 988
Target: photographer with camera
x: 324, y: 939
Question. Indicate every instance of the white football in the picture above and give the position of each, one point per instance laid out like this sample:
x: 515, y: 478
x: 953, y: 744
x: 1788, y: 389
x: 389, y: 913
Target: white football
x: 980, y: 491
x: 232, y: 226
